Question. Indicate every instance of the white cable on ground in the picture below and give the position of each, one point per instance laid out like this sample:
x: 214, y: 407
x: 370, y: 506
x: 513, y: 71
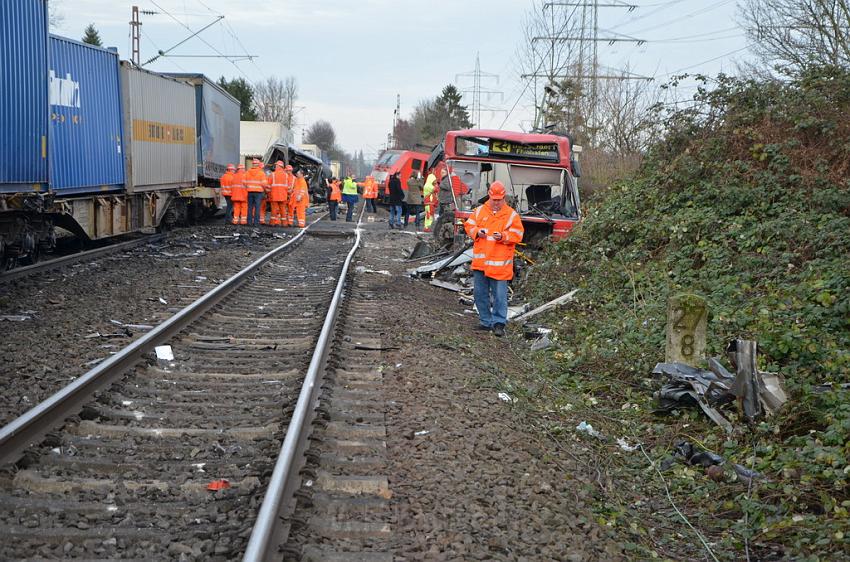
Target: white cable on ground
x: 670, y: 498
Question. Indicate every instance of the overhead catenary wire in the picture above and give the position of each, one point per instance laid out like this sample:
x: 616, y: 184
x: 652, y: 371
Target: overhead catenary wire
x: 207, y: 43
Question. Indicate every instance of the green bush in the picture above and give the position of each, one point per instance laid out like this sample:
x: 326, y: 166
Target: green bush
x: 746, y: 201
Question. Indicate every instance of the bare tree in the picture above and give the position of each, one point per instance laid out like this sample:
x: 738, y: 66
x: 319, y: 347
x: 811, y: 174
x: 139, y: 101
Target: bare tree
x: 322, y: 134
x: 797, y: 34
x: 625, y: 118
x: 274, y: 100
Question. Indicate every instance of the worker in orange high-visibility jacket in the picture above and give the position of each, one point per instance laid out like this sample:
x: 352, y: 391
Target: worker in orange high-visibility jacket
x: 302, y: 198
x: 289, y: 209
x: 496, y: 229
x: 255, y: 181
x: 226, y: 181
x: 334, y: 198
x: 278, y: 193
x: 370, y: 193
x: 239, y: 196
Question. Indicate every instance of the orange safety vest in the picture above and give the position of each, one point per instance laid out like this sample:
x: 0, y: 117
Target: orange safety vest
x: 226, y: 181
x: 494, y: 257
x: 237, y: 188
x: 336, y: 194
x: 279, y: 184
x: 255, y: 179
x: 302, y: 197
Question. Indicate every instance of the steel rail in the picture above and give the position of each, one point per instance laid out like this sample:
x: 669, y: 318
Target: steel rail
x: 35, y: 423
x: 19, y: 272
x: 262, y: 545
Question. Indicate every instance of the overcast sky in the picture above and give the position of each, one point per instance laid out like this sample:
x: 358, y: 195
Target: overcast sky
x: 352, y: 57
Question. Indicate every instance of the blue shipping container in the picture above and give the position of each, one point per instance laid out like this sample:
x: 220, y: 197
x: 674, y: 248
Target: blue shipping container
x: 23, y: 94
x: 85, y: 114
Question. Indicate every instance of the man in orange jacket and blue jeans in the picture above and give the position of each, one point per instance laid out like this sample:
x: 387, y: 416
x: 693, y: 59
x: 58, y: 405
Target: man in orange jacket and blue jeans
x: 495, y: 229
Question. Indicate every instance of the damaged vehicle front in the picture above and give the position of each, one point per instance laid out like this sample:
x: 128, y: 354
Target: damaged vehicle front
x: 539, y: 173
x: 315, y: 171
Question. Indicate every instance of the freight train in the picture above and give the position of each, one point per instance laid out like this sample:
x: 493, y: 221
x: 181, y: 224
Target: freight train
x: 97, y: 146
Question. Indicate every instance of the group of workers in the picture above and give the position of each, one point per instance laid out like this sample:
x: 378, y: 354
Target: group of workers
x: 348, y: 190
x: 253, y: 194
x: 494, y: 227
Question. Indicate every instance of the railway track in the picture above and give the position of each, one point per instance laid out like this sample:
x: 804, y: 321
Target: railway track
x: 171, y: 460
x: 78, y: 257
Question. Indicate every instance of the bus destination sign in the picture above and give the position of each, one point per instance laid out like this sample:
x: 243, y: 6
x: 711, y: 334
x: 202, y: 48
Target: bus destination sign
x: 534, y: 151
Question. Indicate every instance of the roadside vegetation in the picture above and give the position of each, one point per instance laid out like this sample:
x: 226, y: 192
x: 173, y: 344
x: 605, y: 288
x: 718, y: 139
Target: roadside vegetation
x: 746, y: 202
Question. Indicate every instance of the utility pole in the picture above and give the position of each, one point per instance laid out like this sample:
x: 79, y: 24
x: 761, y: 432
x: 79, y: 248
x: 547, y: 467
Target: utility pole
x: 135, y: 32
x: 391, y: 138
x: 476, y: 90
x: 580, y: 27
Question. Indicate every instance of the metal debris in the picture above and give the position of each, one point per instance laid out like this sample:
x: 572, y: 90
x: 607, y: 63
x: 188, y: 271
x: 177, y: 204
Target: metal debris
x: 754, y: 391
x: 546, y: 307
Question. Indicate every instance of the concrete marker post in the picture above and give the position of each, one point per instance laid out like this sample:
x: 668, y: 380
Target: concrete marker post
x: 687, y: 316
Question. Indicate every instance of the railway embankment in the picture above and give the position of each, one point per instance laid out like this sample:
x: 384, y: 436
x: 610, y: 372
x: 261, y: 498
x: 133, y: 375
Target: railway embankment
x: 745, y: 202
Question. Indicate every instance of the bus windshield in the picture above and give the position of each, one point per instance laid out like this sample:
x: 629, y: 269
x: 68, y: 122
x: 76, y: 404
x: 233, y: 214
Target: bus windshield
x: 545, y: 190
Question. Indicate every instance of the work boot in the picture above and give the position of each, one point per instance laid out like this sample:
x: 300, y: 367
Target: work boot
x: 499, y: 330
x: 483, y: 328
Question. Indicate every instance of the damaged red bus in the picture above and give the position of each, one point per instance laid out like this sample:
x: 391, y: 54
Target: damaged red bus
x: 539, y: 172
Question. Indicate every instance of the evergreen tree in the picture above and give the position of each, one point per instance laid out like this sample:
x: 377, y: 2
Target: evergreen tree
x: 240, y: 89
x: 449, y: 104
x: 91, y: 36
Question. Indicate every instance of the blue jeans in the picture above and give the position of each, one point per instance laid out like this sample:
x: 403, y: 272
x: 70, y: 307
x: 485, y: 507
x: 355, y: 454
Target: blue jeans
x: 395, y: 215
x: 228, y: 210
x: 491, y: 300
x: 332, y: 207
x: 370, y: 206
x: 254, y: 208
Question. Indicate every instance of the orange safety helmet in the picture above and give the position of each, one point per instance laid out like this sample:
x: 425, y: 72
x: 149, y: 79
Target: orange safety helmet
x: 497, y: 190
x: 279, y: 164
x: 230, y: 168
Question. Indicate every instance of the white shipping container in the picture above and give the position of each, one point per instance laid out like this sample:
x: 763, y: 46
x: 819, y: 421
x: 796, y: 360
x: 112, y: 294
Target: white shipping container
x: 255, y: 138
x: 159, y: 130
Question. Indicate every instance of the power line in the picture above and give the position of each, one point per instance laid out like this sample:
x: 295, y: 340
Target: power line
x: 202, y: 39
x: 703, y: 62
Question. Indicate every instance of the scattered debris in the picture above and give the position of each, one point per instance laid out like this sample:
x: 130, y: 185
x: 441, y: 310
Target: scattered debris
x: 421, y: 250
x: 362, y: 269
x: 216, y: 485
x: 505, y: 397
x: 93, y: 335
x: 164, y: 353
x: 162, y: 300
x: 15, y: 318
x: 435, y: 267
x: 514, y: 311
x: 624, y: 445
x: 541, y: 343
x: 140, y: 327
x: 423, y: 432
x: 829, y: 387
x: 585, y: 427
x: 365, y: 347
x: 546, y: 307
x: 713, y: 462
x: 756, y: 392
x: 450, y: 286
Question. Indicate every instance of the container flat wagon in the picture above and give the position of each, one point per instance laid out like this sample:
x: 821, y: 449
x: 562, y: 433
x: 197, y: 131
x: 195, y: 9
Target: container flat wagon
x: 95, y: 145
